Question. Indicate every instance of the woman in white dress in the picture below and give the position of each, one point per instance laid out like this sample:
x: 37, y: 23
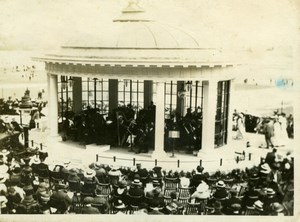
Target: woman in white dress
x: 277, y: 133
x: 283, y: 133
x: 241, y: 131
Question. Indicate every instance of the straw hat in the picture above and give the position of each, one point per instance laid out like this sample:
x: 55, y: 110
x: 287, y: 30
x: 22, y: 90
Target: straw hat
x: 89, y: 173
x: 172, y: 206
x: 119, y: 204
x: 265, y: 168
x: 258, y: 205
x: 277, y: 207
x: 136, y: 182
x: 236, y: 208
x: 155, y: 183
x: 4, y: 152
x: 270, y: 191
x: 35, y: 160
x: 220, y: 184
x: 115, y: 168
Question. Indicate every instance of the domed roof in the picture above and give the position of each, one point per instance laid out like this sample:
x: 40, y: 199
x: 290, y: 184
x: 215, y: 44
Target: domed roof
x: 132, y: 39
x: 134, y: 30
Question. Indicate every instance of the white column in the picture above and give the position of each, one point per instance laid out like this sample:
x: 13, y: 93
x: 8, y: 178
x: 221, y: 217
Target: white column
x: 53, y: 105
x: 48, y: 99
x: 209, y: 112
x: 231, y: 104
x: 159, y: 122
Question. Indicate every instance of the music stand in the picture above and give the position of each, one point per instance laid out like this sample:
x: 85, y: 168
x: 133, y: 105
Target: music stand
x: 174, y: 134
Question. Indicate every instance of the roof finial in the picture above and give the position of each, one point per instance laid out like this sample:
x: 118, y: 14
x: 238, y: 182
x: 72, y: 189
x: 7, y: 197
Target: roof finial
x: 132, y: 13
x: 133, y: 6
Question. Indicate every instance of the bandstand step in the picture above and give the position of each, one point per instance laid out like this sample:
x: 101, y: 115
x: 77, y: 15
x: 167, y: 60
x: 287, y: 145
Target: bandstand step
x: 97, y: 148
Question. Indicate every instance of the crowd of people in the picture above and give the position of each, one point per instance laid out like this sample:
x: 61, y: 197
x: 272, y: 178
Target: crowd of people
x: 29, y: 184
x: 277, y: 128
x: 125, y: 127
x: 24, y: 71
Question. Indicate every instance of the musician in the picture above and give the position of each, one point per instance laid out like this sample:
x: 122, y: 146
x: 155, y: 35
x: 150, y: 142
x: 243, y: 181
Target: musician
x: 146, y: 139
x: 188, y: 125
x: 189, y: 115
x: 152, y: 110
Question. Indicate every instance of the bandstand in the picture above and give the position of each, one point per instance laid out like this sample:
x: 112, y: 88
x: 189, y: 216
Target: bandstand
x: 137, y: 60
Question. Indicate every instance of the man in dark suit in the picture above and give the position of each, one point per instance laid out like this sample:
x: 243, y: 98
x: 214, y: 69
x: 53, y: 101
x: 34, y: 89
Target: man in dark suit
x: 227, y: 204
x: 270, y: 157
x: 269, y: 132
x: 88, y: 209
x: 135, y: 193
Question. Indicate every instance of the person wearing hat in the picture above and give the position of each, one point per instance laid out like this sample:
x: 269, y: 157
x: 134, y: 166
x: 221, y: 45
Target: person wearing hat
x: 114, y: 175
x: 115, y: 171
x: 264, y: 174
x: 235, y: 209
x: 135, y: 188
x: 155, y: 207
x: 119, y: 206
x: 42, y: 189
x: 259, y: 208
x: 202, y: 192
x: 26, y: 176
x: 73, y: 177
x: 4, y: 152
x: 277, y: 209
x: 221, y: 192
x: 270, y: 157
x: 101, y: 204
x: 270, y: 198
x: 233, y: 199
x: 217, y: 207
x: 44, y: 202
x: 34, y: 161
x: 135, y: 193
x: 60, y: 199
x: 250, y: 196
x: 155, y: 190
x: 88, y: 208
x: 156, y: 173
x: 89, y: 182
x: 120, y: 191
x: 42, y: 168
x: 171, y: 208
x: 13, y: 199
x: 102, y: 175
x: 143, y: 173
x: 174, y: 207
x: 28, y: 205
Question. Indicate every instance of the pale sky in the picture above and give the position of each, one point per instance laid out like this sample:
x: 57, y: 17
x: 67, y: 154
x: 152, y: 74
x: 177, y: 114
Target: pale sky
x: 217, y: 23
